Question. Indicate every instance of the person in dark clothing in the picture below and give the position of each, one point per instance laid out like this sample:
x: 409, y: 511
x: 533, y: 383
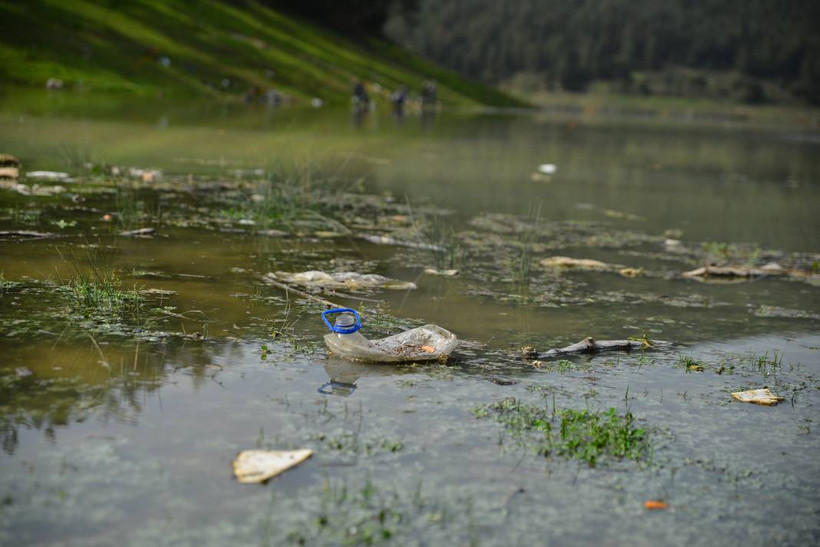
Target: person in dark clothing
x: 398, y: 98
x: 428, y: 94
x: 360, y: 97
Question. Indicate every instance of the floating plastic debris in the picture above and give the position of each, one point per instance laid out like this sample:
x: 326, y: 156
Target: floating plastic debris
x: 427, y: 343
x: 255, y: 466
x: 757, y: 396
x: 343, y: 280
x: 445, y: 273
x: 141, y: 232
x: 47, y: 175
x: 577, y: 263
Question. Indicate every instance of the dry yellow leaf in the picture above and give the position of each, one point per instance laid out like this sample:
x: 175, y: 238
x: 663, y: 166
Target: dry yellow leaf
x: 254, y: 466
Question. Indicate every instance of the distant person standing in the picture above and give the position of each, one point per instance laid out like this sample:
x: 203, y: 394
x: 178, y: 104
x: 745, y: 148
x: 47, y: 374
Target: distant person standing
x: 398, y: 98
x: 428, y: 94
x: 361, y: 100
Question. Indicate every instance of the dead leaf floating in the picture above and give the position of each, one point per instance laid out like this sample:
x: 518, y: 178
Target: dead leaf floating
x: 256, y: 466
x: 757, y: 396
x: 577, y: 263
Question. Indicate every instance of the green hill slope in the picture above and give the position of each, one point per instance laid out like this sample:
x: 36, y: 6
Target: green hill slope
x: 204, y: 47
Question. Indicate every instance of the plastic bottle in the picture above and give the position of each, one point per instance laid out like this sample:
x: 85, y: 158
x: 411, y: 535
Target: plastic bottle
x: 346, y: 336
x: 427, y: 343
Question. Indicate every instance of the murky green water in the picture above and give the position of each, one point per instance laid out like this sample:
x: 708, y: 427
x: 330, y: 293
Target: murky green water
x: 121, y: 427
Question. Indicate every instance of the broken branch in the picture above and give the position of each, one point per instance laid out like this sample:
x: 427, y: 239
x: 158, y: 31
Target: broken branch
x: 590, y: 345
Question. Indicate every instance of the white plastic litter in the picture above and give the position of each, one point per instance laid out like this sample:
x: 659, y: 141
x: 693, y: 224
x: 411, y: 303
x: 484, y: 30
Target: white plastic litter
x: 254, y: 466
x: 47, y: 175
x: 427, y: 343
x: 343, y: 280
x: 757, y: 396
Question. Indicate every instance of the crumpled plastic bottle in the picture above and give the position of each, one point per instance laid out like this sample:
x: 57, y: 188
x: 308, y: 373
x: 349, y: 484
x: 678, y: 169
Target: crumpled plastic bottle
x: 426, y: 343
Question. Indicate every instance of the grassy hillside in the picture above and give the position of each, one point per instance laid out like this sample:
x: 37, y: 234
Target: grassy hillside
x: 204, y: 47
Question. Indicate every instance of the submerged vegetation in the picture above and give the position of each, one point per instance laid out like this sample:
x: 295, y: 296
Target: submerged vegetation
x: 567, y: 433
x: 103, y: 295
x: 145, y: 364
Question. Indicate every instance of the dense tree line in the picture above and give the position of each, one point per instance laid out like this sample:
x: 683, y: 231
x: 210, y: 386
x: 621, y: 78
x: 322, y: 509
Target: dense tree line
x: 350, y: 17
x: 571, y: 43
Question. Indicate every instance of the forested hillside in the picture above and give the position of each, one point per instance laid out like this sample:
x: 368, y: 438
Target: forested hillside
x: 748, y: 50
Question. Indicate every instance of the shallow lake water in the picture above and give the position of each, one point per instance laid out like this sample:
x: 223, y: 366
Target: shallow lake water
x: 120, y: 426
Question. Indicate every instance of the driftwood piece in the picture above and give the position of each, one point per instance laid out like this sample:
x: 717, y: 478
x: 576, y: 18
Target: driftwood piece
x: 388, y: 240
x: 704, y: 273
x: 590, y: 345
x: 25, y: 234
x: 271, y: 279
x: 141, y: 232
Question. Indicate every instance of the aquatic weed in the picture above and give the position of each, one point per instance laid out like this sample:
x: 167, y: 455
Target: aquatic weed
x: 367, y: 513
x: 438, y: 236
x: 6, y: 285
x: 525, y: 237
x: 568, y: 433
x: 103, y: 295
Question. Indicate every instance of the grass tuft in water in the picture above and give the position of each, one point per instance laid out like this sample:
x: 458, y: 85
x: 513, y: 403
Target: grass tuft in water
x: 6, y: 285
x: 573, y: 434
x: 524, y: 240
x: 102, y: 294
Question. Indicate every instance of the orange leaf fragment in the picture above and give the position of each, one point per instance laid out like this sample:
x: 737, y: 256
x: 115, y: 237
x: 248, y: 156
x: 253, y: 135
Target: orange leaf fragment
x: 428, y: 349
x: 655, y: 504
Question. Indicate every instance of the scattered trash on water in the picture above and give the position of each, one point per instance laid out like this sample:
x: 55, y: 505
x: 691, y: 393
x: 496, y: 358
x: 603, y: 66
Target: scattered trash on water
x: 544, y: 173
x: 654, y: 505
x: 145, y: 175
x: 272, y: 233
x: 141, y: 232
x: 33, y: 190
x: 157, y: 292
x: 47, y: 175
x: 611, y: 213
x: 757, y: 396
x: 445, y: 273
x: 256, y: 466
x: 343, y: 280
x: 631, y: 272
x: 9, y: 167
x: 426, y: 343
x: 22, y: 372
x: 577, y: 263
